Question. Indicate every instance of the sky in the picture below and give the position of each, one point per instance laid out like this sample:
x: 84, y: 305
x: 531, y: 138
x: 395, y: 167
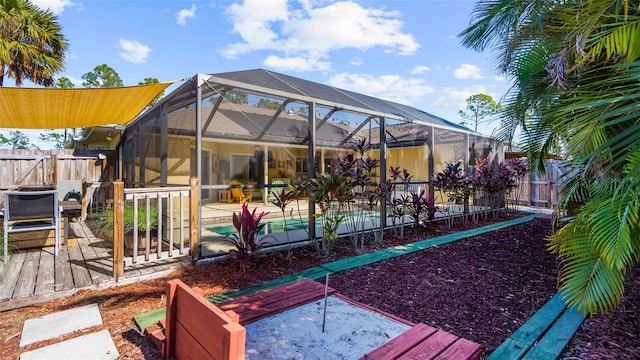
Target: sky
x: 400, y: 50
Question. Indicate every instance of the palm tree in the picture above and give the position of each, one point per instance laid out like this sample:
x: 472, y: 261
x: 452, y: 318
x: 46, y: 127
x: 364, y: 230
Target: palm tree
x: 32, y: 46
x: 574, y: 67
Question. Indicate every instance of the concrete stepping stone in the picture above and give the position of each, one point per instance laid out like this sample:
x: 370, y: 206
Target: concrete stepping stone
x: 57, y: 324
x: 94, y: 346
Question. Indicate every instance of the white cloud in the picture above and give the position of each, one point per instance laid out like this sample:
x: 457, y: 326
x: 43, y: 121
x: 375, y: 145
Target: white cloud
x: 183, y: 15
x: 456, y: 98
x: 419, y: 69
x: 133, y: 51
x: 356, y: 61
x: 389, y: 87
x: 313, y: 30
x: 296, y: 63
x: 468, y: 71
x: 56, y: 6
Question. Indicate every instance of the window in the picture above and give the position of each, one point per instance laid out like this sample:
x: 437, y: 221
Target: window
x: 302, y: 165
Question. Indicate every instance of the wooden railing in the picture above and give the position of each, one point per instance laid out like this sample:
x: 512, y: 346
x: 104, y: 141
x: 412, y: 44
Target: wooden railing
x: 165, y: 236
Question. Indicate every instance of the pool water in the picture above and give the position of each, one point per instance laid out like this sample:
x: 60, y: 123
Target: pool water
x: 277, y: 226
x: 271, y: 227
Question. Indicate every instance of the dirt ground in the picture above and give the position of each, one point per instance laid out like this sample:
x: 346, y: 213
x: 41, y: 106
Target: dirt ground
x: 481, y: 288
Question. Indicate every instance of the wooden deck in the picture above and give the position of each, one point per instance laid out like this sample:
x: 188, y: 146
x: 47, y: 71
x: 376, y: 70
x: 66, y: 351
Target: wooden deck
x: 35, y: 275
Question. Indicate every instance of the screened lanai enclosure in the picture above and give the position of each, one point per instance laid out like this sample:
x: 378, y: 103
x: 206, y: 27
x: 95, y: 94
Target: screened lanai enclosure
x: 245, y: 134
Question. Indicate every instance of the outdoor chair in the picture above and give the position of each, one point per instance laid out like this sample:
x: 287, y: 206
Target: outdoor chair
x: 281, y: 183
x: 31, y: 211
x: 237, y: 194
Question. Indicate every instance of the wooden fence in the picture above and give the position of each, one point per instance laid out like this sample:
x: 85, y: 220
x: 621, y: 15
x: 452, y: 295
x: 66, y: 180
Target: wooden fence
x: 541, y: 190
x: 87, y: 173
x: 51, y: 167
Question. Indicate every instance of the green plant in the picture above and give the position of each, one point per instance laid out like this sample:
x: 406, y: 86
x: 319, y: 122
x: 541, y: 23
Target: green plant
x: 104, y: 218
x: 330, y: 193
x: 454, y: 187
x: 281, y: 200
x: 246, y: 241
x: 420, y: 207
x: 358, y: 169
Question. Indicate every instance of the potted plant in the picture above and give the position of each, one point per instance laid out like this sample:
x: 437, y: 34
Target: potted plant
x: 103, y: 224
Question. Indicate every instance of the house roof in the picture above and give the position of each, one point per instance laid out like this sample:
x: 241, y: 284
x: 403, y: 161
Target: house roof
x: 245, y: 122
x: 278, y: 84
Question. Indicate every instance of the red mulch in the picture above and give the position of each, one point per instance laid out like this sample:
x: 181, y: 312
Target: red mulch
x: 480, y: 288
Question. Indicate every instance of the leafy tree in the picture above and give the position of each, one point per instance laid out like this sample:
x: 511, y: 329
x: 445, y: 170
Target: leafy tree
x: 268, y: 104
x: 61, y: 141
x: 64, y: 83
x: 102, y: 76
x: 237, y: 97
x: 20, y: 141
x: 54, y: 137
x: 575, y: 66
x: 479, y: 107
x: 4, y: 140
x: 32, y: 46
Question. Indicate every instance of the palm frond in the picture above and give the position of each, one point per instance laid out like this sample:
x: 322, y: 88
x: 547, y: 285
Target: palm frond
x: 621, y: 40
x: 587, y: 283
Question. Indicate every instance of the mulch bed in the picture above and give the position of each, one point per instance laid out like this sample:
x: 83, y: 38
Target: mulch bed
x: 481, y: 288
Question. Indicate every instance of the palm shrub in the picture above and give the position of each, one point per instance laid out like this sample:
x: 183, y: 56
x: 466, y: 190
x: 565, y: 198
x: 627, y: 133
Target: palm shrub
x: 246, y: 240
x: 575, y: 70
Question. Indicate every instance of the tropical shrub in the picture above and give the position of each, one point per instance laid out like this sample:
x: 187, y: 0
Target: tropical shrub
x: 358, y: 168
x: 519, y: 169
x: 421, y: 207
x: 330, y: 192
x: 454, y: 188
x: 246, y: 240
x: 281, y: 200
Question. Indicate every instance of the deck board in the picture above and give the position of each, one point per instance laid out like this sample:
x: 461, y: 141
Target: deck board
x: 10, y: 274
x: 27, y: 280
x: 257, y: 306
x: 81, y: 277
x: 91, y: 258
x: 64, y: 278
x: 45, y: 281
x: 35, y: 275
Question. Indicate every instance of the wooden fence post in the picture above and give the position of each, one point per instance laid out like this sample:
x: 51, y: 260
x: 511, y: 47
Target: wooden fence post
x: 118, y: 228
x: 83, y: 210
x: 54, y: 170
x: 194, y: 221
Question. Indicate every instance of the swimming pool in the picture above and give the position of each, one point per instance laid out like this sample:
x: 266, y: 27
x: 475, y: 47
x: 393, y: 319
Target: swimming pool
x: 277, y: 226
x: 271, y: 227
